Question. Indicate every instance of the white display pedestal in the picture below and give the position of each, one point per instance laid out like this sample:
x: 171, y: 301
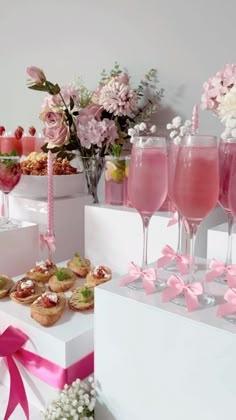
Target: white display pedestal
x: 18, y: 249
x: 217, y: 243
x: 156, y: 361
x: 69, y: 222
x: 68, y: 341
x: 114, y: 235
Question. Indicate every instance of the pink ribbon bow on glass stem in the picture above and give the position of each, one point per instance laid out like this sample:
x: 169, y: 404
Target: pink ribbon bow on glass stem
x: 217, y: 268
x: 148, y: 277
x: 230, y: 306
x: 175, y: 286
x: 182, y: 261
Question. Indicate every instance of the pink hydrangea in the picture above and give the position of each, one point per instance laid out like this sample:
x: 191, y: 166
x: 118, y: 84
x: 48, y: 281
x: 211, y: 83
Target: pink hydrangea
x: 118, y: 98
x: 67, y: 92
x: 91, y: 131
x: 217, y: 86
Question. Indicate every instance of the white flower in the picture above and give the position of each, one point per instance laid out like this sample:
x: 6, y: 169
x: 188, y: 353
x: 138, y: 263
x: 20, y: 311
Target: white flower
x: 177, y: 122
x: 173, y: 134
x: 80, y: 409
x: 169, y: 126
x: 153, y: 129
x: 142, y: 126
x: 188, y: 123
x: 131, y: 132
x: 227, y: 107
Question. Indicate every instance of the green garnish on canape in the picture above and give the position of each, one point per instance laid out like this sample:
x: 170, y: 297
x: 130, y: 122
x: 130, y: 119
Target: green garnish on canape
x: 63, y: 274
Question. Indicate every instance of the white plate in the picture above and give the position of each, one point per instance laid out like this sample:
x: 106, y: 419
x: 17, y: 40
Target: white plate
x: 32, y: 186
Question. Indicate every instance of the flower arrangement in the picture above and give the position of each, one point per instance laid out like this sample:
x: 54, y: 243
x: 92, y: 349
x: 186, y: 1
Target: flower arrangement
x: 219, y: 96
x: 95, y: 123
x: 75, y: 402
x: 179, y: 128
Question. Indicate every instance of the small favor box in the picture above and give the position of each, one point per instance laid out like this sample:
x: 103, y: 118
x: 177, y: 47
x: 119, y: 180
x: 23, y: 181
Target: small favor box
x: 68, y: 345
x: 18, y: 248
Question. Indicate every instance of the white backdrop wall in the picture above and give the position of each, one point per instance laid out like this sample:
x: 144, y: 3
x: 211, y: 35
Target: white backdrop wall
x: 187, y: 41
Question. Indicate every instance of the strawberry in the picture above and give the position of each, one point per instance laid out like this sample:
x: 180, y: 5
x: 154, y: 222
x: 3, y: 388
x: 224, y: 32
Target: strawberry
x: 2, y: 130
x: 19, y: 132
x: 32, y: 131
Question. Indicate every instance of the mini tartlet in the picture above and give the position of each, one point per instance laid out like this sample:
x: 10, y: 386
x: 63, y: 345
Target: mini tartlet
x: 6, y: 283
x: 48, y: 308
x: 98, y: 275
x: 62, y: 280
x: 80, y: 266
x: 82, y: 299
x: 26, y: 291
x: 42, y: 271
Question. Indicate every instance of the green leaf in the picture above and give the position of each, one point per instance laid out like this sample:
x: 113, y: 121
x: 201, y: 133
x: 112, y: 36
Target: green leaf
x: 72, y: 104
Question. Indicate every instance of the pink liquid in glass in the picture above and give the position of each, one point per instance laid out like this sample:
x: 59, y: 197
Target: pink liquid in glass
x: 227, y: 154
x: 28, y: 145
x: 147, y: 182
x: 10, y: 143
x: 10, y: 173
x: 196, y: 182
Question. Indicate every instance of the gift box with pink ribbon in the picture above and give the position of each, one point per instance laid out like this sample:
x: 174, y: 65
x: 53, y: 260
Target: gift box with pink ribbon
x: 35, y: 362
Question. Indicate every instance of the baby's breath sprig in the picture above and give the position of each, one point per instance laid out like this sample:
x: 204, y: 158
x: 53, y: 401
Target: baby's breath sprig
x: 75, y: 402
x: 141, y: 130
x: 179, y: 128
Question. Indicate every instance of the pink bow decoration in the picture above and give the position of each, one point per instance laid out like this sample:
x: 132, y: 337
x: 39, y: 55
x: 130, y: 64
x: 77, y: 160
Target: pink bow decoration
x: 229, y: 307
x: 175, y: 286
x: 174, y: 219
x: 11, y: 341
x: 169, y: 255
x: 48, y: 240
x: 148, y: 277
x: 217, y: 268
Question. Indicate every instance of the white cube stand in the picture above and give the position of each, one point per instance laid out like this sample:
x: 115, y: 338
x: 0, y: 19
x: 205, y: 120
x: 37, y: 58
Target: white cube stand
x: 156, y: 361
x: 65, y: 343
x: 217, y: 243
x: 114, y: 235
x: 18, y: 248
x: 69, y: 221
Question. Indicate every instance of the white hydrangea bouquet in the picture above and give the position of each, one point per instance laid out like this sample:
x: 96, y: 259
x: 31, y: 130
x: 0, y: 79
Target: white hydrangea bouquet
x: 75, y: 402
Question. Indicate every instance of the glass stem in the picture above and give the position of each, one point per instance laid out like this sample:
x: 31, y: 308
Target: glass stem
x: 146, y: 220
x: 180, y: 226
x: 5, y: 208
x: 228, y: 260
x: 192, y: 237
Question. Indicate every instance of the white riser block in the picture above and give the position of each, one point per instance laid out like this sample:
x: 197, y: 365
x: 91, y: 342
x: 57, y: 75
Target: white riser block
x: 113, y: 235
x: 69, y: 222
x: 217, y: 243
x: 18, y: 249
x: 156, y: 361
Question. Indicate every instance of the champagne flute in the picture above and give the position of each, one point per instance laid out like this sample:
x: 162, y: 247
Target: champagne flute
x: 196, y: 189
x: 147, y: 182
x: 227, y: 151
x: 10, y: 174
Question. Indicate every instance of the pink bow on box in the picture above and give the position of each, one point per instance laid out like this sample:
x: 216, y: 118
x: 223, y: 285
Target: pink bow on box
x: 148, y: 277
x: 217, y: 268
x: 12, y: 341
x: 191, y: 292
x: 229, y: 307
x: 169, y: 255
x: 48, y: 240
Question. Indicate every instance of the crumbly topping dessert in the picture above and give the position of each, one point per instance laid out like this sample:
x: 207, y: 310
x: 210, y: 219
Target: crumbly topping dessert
x: 36, y: 164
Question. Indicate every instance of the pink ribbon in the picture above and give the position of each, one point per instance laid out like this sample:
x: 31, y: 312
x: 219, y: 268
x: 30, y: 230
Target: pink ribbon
x: 217, y: 268
x: 148, y: 277
x: 191, y: 292
x: 11, y: 342
x: 48, y: 240
x: 174, y: 219
x: 229, y: 307
x: 169, y: 255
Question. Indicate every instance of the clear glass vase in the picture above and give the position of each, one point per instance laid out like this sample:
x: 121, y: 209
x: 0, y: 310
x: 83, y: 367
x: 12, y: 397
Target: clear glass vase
x: 116, y: 176
x: 93, y: 168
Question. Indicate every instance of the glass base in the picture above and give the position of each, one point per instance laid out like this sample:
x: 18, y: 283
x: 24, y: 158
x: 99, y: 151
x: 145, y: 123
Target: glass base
x: 204, y: 300
x: 230, y: 318
x: 9, y: 224
x: 138, y: 285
